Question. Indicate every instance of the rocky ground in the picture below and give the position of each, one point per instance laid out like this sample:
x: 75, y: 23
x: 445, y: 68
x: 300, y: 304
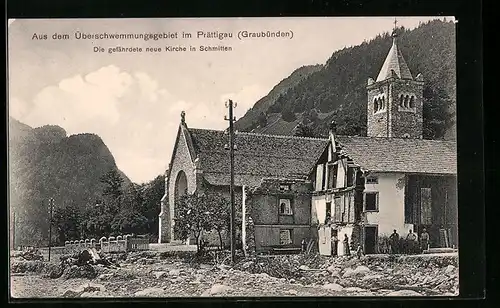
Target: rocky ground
x: 157, y: 274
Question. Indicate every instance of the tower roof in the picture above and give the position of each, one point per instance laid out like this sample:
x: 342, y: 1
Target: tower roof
x: 394, y: 62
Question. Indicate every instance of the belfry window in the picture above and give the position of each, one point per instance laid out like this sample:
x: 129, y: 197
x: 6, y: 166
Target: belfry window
x: 412, y: 102
x: 379, y: 103
x: 407, y: 103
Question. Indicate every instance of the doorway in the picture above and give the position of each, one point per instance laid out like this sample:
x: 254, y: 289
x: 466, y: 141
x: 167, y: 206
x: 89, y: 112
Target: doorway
x: 371, y: 233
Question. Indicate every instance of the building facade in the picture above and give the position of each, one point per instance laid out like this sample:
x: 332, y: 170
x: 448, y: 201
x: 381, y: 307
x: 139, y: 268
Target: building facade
x: 280, y: 210
x: 342, y: 187
x: 200, y: 162
x: 392, y: 180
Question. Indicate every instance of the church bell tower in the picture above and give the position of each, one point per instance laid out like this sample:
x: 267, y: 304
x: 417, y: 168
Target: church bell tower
x: 395, y: 99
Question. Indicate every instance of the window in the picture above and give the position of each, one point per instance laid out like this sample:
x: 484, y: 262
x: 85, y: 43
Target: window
x: 285, y: 187
x: 328, y: 216
x: 372, y: 180
x: 350, y: 176
x: 285, y: 237
x: 285, y: 207
x: 371, y: 202
x: 332, y: 176
x: 407, y: 102
x: 337, y: 214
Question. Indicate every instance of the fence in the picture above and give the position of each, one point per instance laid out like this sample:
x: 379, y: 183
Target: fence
x: 109, y: 245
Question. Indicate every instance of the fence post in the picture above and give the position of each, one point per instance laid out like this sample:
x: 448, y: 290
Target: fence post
x: 112, y: 244
x: 127, y: 243
x: 102, y: 242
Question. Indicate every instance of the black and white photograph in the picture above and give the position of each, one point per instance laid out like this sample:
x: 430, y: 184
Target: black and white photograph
x: 232, y: 157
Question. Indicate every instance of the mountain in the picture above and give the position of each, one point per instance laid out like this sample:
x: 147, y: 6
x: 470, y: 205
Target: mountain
x: 337, y: 90
x: 44, y: 162
x: 254, y: 117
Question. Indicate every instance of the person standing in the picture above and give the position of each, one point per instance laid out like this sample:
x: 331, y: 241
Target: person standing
x: 347, y: 250
x: 424, y: 240
x: 334, y: 244
x: 359, y: 252
x: 304, y: 245
x: 394, y: 242
x: 411, y: 239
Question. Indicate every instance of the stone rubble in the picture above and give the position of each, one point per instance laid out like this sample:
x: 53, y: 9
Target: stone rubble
x: 297, y: 275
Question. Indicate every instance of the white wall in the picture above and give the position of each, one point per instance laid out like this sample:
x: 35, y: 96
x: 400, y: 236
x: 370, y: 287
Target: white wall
x: 391, y: 214
x: 318, y: 209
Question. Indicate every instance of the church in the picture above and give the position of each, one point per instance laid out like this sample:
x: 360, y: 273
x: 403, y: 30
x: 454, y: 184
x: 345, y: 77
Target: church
x: 363, y: 188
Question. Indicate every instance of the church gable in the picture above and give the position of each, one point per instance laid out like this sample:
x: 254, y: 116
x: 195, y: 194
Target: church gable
x: 182, y: 161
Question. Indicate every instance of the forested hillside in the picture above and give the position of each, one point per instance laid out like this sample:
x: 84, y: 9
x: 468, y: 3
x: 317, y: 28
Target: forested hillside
x: 92, y: 198
x: 256, y: 115
x: 45, y: 163
x: 337, y: 91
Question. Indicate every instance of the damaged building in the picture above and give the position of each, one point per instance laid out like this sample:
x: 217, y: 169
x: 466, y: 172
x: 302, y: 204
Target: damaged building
x: 392, y: 179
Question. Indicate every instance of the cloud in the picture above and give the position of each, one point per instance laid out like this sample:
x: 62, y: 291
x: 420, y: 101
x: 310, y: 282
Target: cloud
x: 18, y: 108
x: 76, y: 103
x: 136, y: 117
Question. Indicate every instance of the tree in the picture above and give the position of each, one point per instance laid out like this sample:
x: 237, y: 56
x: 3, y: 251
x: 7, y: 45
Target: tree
x: 437, y: 114
x: 219, y: 213
x: 129, y: 221
x: 96, y: 221
x: 113, y: 184
x: 67, y: 223
x: 152, y: 193
x: 302, y: 130
x: 192, y: 217
x: 262, y: 119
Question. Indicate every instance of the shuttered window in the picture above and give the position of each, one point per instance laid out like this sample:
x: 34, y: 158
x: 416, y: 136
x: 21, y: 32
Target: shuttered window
x: 285, y: 237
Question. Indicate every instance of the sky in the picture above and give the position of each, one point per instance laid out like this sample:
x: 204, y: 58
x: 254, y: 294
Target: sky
x: 133, y: 100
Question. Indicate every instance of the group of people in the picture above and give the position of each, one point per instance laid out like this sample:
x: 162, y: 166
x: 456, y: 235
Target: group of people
x: 411, y: 244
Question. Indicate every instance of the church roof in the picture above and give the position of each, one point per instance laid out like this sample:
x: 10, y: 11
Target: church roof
x: 401, y: 154
x: 394, y: 62
x: 256, y: 156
